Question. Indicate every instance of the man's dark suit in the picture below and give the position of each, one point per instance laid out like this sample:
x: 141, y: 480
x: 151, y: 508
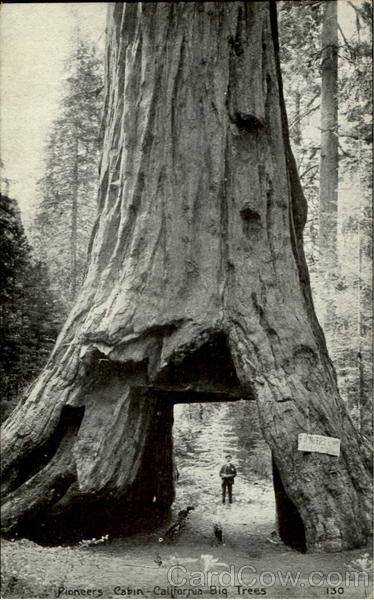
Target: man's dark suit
x: 227, y: 474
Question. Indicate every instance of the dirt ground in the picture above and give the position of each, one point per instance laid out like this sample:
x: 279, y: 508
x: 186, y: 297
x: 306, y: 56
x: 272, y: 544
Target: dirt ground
x: 251, y: 561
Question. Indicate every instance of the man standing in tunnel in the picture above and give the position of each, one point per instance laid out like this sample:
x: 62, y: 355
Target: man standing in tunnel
x: 227, y: 474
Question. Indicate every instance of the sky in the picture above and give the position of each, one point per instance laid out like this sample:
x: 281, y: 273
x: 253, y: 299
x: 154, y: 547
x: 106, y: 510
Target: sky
x: 36, y: 39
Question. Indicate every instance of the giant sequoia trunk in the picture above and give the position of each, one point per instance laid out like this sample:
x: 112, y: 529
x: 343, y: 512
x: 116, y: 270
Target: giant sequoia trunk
x: 197, y: 288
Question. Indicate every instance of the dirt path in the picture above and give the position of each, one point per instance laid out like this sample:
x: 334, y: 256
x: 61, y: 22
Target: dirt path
x: 193, y: 565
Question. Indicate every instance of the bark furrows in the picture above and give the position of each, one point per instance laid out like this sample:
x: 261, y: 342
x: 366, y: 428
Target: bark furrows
x: 198, y: 245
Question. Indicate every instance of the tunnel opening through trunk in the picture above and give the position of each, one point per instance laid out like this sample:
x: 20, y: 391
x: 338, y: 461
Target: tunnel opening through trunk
x: 203, y: 435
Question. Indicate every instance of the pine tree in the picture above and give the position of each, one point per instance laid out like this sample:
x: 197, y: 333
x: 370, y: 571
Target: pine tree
x: 67, y: 191
x: 29, y: 316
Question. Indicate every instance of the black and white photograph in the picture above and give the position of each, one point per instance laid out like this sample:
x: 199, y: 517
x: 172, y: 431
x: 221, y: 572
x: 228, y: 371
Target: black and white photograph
x: 186, y: 359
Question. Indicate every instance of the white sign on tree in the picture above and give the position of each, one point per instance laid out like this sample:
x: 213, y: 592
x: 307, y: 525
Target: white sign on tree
x: 319, y: 443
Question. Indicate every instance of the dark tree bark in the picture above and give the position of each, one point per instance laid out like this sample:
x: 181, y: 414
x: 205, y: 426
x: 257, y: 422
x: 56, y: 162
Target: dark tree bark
x: 197, y: 287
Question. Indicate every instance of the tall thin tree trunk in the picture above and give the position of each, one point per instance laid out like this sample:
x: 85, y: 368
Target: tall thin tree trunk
x: 197, y: 290
x: 365, y: 314
x: 297, y: 126
x: 328, y: 198
x: 74, y: 219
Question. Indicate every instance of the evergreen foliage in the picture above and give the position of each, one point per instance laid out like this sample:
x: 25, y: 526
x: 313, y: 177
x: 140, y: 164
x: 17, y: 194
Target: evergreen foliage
x: 29, y: 316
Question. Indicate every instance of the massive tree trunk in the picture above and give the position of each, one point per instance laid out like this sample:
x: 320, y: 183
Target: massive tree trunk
x: 197, y: 288
x: 329, y: 165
